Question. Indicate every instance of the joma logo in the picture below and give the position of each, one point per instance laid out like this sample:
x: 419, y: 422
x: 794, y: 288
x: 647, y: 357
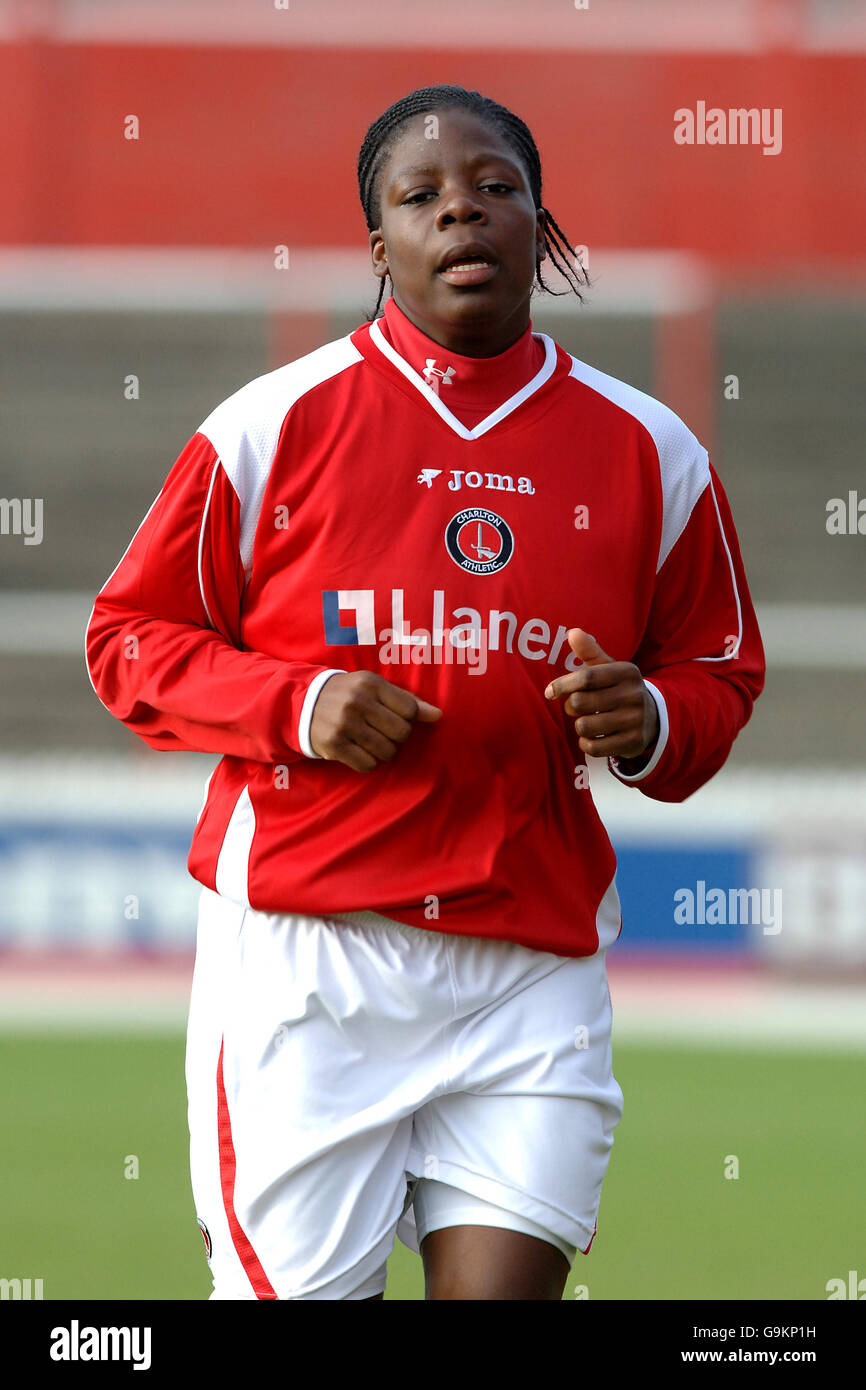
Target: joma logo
x: 495, y: 482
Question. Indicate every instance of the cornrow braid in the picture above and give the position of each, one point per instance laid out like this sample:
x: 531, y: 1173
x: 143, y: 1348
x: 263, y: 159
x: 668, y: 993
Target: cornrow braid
x: 381, y: 138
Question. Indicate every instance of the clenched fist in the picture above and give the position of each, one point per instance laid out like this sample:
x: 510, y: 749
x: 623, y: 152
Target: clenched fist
x: 617, y: 716
x: 361, y: 719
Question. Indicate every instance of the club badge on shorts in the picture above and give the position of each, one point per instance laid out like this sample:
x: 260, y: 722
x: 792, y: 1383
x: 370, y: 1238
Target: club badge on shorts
x: 479, y: 540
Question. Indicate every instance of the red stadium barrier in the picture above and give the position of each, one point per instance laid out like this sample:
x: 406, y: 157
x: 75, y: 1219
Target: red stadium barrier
x: 249, y: 147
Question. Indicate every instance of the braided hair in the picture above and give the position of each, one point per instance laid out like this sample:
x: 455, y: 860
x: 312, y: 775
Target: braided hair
x: 381, y: 138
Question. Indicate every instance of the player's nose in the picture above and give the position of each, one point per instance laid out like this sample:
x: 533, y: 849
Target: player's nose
x: 460, y: 206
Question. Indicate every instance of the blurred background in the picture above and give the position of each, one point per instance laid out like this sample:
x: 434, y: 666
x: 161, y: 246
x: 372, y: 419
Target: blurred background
x: 179, y: 215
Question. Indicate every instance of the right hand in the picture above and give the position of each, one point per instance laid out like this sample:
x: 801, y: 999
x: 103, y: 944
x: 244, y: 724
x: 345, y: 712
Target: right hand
x: 361, y: 719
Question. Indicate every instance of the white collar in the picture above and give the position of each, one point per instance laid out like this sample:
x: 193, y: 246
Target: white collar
x: 542, y: 375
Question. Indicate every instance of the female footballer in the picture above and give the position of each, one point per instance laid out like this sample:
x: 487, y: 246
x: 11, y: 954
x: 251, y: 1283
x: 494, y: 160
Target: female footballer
x: 405, y: 586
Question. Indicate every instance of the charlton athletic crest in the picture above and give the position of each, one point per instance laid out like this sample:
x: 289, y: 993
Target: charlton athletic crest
x: 205, y: 1235
x: 479, y: 541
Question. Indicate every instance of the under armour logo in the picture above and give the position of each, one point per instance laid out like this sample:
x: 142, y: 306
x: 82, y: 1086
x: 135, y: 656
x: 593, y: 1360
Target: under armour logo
x: 428, y: 474
x: 435, y: 376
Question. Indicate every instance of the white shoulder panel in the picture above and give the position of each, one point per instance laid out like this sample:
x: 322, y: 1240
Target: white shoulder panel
x: 245, y: 428
x: 683, y: 462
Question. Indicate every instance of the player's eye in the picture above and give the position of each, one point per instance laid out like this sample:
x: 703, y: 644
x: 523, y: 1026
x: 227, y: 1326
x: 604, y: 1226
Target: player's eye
x: 423, y: 194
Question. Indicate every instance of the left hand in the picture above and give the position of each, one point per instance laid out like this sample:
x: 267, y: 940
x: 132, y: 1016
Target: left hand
x: 616, y: 716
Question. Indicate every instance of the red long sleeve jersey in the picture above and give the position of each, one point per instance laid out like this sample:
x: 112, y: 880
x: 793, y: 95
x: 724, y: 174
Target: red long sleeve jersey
x: 334, y: 515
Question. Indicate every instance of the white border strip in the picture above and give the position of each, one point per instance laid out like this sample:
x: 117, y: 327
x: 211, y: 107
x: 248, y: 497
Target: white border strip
x: 728, y: 656
x: 175, y: 280
x: 205, y: 510
x: 737, y: 804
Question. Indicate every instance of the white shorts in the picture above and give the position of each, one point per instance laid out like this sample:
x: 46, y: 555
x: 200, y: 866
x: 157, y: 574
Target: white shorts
x: 353, y: 1081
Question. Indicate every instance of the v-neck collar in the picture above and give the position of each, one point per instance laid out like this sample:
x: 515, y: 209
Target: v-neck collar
x: 500, y: 413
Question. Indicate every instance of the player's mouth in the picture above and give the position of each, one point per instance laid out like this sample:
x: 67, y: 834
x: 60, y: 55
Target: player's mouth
x: 470, y: 264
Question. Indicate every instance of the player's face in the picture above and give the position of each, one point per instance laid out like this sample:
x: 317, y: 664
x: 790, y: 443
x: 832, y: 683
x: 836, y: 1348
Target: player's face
x: 455, y: 186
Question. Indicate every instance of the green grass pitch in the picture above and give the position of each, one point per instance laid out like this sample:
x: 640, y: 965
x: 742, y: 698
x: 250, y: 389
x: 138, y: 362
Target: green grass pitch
x: 671, y: 1225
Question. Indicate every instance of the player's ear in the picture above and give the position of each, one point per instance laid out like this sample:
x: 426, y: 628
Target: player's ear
x: 540, y: 233
x: 378, y: 254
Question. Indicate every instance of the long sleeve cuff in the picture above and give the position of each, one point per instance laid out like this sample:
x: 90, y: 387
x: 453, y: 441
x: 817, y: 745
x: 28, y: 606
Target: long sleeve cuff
x: 664, y: 730
x: 306, y: 718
